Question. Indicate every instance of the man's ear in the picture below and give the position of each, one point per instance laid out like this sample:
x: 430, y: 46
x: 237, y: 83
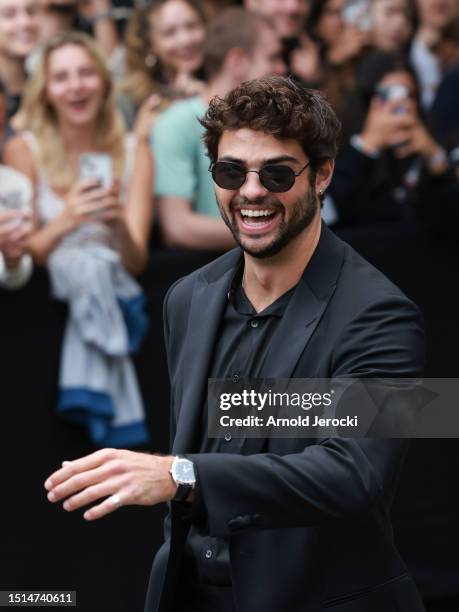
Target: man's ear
x: 324, y: 175
x: 236, y: 64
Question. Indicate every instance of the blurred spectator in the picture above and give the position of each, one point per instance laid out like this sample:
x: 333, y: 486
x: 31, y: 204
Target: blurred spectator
x: 435, y: 18
x: 240, y: 46
x: 18, y: 37
x: 288, y: 17
x: 70, y: 111
x: 212, y: 7
x: 444, y: 114
x: 95, y: 16
x: 15, y: 225
x: 336, y: 35
x: 99, y: 14
x: 164, y: 51
x: 329, y: 49
x: 92, y: 16
x: 391, y: 165
x: 392, y: 23
x: 88, y: 239
x: 57, y: 16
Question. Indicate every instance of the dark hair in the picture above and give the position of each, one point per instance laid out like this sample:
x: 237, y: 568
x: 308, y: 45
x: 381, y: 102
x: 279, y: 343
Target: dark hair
x: 375, y: 66
x: 371, y: 70
x: 2, y: 89
x: 316, y: 11
x: 232, y: 28
x: 278, y: 106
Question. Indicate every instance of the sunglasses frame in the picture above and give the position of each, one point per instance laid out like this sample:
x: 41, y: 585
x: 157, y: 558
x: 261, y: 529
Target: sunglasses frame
x: 259, y: 172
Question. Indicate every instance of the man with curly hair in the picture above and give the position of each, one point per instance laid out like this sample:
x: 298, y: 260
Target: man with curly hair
x: 267, y: 525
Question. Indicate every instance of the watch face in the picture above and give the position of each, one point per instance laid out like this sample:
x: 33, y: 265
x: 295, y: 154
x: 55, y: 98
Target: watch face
x: 184, y: 472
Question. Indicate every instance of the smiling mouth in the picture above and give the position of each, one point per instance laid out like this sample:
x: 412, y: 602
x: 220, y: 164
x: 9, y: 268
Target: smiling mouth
x: 79, y: 104
x: 258, y: 220
x: 256, y: 215
x: 26, y: 37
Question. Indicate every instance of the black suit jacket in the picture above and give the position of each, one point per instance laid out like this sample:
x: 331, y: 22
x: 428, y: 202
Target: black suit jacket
x: 308, y: 521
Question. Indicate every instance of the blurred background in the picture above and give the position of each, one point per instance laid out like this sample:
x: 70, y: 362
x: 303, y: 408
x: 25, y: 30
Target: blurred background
x: 106, y: 200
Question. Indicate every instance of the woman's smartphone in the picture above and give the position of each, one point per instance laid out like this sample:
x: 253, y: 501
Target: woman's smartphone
x: 16, y: 193
x: 98, y: 166
x: 358, y: 14
x: 11, y: 200
x: 396, y: 91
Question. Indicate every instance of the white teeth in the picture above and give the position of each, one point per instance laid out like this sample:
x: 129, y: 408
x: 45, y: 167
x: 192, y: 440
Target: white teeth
x: 256, y: 213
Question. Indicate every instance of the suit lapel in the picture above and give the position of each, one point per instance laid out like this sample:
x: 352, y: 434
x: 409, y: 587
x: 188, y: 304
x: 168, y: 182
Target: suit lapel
x: 305, y: 308
x: 303, y: 314
x: 206, y: 311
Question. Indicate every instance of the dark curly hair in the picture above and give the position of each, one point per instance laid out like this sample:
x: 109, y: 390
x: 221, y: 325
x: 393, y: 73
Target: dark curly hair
x: 279, y: 106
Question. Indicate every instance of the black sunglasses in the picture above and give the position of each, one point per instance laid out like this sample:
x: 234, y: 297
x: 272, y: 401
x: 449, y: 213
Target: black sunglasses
x: 274, y: 177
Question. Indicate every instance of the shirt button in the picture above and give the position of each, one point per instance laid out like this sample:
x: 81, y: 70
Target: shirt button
x: 228, y: 437
x: 235, y: 378
x: 208, y: 554
x: 254, y: 323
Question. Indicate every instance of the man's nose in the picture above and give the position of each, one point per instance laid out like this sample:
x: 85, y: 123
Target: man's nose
x: 252, y: 189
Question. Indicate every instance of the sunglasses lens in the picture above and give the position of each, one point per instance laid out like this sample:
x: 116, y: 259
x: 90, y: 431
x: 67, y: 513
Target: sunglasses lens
x: 277, y: 178
x: 228, y: 176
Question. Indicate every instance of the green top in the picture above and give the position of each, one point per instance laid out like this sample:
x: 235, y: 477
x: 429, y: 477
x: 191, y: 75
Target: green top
x: 181, y: 162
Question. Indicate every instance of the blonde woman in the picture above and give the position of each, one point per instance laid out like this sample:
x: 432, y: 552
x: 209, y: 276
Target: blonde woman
x: 92, y: 237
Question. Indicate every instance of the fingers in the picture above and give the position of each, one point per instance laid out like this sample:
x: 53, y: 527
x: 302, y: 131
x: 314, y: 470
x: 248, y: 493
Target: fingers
x: 21, y: 233
x: 79, y: 482
x: 71, y: 468
x: 9, y: 215
x: 97, y: 512
x: 12, y: 221
x: 96, y: 209
x: 90, y: 495
x: 404, y: 150
x: 153, y: 102
x: 94, y: 195
x: 14, y: 240
x: 87, y: 185
x: 137, y: 478
x: 86, y: 480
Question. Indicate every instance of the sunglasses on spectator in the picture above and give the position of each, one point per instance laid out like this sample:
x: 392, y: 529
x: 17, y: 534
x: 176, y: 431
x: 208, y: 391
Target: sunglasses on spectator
x: 276, y: 178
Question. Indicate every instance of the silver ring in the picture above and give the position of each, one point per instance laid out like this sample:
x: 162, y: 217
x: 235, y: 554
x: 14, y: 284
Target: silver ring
x: 116, y: 501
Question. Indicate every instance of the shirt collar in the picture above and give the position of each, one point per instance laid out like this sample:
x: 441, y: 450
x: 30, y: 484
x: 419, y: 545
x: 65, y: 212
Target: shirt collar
x: 241, y: 303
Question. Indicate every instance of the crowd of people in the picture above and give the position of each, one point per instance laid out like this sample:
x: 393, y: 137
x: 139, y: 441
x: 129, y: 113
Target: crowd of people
x: 102, y: 160
x: 134, y: 80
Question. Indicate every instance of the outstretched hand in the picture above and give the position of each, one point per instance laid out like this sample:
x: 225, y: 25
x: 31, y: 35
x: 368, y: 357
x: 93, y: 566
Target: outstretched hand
x: 133, y: 478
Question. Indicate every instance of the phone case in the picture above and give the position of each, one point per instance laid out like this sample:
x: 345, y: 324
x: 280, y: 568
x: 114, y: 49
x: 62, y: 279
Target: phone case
x: 97, y: 166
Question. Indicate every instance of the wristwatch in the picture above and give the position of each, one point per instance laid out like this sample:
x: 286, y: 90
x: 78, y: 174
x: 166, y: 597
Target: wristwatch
x: 184, y: 476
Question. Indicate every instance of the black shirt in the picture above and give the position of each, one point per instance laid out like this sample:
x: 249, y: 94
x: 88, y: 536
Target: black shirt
x: 240, y: 351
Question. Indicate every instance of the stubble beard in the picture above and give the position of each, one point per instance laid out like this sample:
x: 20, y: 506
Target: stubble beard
x: 302, y: 213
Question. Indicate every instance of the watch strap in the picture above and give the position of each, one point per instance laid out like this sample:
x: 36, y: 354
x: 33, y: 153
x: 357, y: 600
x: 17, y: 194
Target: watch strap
x: 183, y: 490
